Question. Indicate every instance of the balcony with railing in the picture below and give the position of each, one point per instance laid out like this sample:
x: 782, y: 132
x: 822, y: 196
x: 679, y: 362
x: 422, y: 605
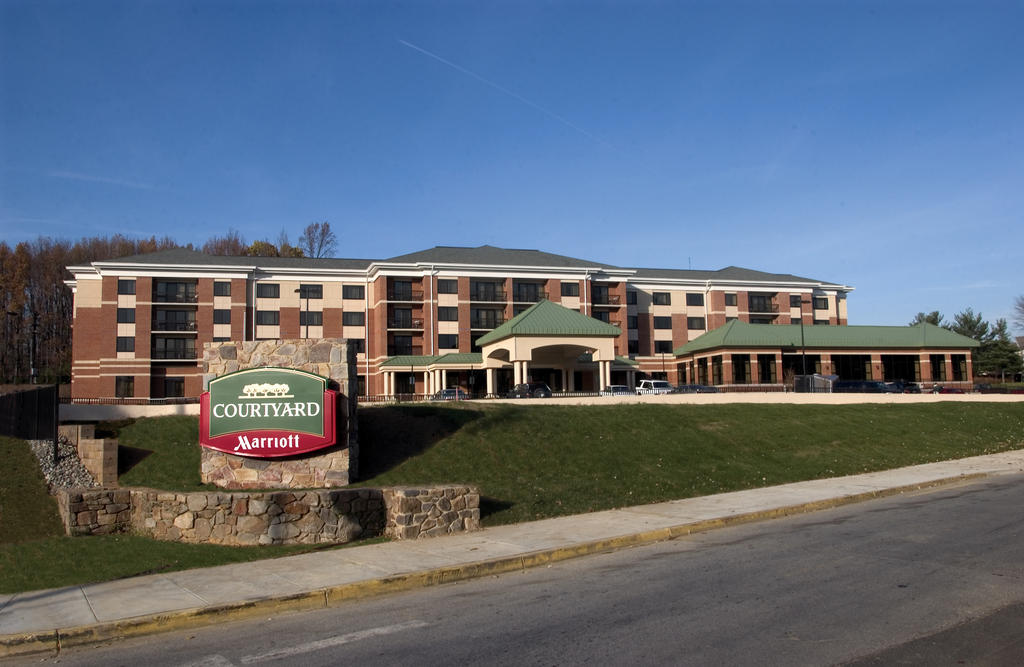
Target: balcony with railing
x: 402, y: 294
x: 398, y: 322
x: 395, y: 350
x: 522, y: 294
x: 607, y: 299
x: 174, y: 292
x: 487, y: 321
x: 763, y: 305
x: 174, y: 325
x: 487, y: 294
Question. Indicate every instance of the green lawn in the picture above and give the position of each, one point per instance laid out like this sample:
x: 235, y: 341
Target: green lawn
x: 529, y: 461
x: 532, y: 462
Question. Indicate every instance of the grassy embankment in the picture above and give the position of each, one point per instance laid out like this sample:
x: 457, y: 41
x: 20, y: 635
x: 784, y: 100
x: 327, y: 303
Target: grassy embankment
x: 530, y: 462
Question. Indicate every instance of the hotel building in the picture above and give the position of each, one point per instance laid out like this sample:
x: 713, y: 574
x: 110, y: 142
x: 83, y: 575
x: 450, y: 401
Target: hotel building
x: 140, y: 322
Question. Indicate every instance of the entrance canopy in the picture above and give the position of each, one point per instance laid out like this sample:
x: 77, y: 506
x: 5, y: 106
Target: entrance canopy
x: 563, y: 342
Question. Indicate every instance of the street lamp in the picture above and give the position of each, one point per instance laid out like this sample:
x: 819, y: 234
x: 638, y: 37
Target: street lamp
x: 803, y: 346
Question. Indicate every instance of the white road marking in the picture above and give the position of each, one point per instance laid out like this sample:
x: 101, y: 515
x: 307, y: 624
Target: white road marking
x: 333, y: 641
x: 210, y: 661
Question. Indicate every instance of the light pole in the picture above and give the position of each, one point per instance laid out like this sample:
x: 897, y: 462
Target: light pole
x: 803, y: 346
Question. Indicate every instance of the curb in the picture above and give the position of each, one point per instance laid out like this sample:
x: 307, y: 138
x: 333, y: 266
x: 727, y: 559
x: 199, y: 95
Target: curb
x: 52, y: 641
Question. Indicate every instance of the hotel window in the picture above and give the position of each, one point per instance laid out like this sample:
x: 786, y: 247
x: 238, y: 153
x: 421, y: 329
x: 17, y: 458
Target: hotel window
x: 730, y: 299
x: 448, y: 341
x: 125, y: 344
x: 221, y: 288
x: 358, y: 343
x: 221, y: 339
x: 174, y: 387
x: 821, y: 321
x: 633, y: 346
x: 352, y: 292
x: 730, y: 319
x: 631, y: 298
x: 447, y: 286
x: 632, y: 322
x: 662, y: 322
x: 124, y: 386
x: 125, y: 286
x: 126, y: 316
x: 695, y: 323
x: 447, y: 314
x: 694, y: 299
x: 603, y: 315
x: 661, y: 299
x: 663, y: 347
x: 268, y: 291
x: 268, y: 317
x: 821, y: 303
x: 311, y: 291
x: 570, y: 289
x: 312, y: 318
x: 353, y: 318
x: 222, y: 316
x: 794, y: 300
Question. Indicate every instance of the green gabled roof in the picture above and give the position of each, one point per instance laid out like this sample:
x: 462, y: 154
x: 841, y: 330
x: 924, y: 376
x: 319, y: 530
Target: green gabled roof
x: 626, y: 360
x: 460, y: 358
x: 744, y: 334
x: 545, y: 318
x: 411, y: 360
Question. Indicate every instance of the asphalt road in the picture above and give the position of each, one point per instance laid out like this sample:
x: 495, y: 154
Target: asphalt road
x: 929, y: 578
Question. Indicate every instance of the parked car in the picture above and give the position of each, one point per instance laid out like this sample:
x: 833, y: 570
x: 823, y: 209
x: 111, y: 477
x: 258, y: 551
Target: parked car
x: 864, y: 387
x: 616, y: 390
x: 653, y: 387
x: 530, y: 390
x: 451, y: 394
x: 939, y: 389
x: 695, y: 389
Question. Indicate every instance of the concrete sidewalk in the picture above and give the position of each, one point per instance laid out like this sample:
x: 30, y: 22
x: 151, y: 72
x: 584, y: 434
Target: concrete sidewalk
x: 45, y: 621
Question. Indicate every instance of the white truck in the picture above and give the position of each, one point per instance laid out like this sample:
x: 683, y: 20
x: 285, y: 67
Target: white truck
x: 653, y: 387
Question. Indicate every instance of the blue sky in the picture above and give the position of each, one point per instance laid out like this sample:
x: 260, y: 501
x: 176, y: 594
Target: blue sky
x: 877, y: 144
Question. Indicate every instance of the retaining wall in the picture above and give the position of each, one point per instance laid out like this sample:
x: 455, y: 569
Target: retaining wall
x: 272, y: 517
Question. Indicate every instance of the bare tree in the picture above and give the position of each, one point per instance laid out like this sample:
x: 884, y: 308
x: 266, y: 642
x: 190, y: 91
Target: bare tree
x: 231, y: 244
x: 318, y: 240
x: 1018, y: 313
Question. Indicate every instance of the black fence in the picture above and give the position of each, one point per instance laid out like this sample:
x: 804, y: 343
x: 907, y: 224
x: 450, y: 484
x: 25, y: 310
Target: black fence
x: 31, y: 414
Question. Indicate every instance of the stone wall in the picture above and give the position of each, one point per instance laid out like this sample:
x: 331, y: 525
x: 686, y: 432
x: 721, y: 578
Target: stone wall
x: 273, y: 517
x: 335, y: 466
x: 413, y: 513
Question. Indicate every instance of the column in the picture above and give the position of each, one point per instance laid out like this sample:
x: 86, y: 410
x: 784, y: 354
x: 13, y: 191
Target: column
x: 779, y: 379
x: 755, y: 372
x: 926, y: 367
x: 727, y: 377
x: 572, y: 379
x: 491, y: 377
x: 444, y: 378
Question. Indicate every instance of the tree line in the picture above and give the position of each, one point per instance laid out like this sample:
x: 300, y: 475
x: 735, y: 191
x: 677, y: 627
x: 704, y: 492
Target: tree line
x: 37, y: 307
x: 997, y: 354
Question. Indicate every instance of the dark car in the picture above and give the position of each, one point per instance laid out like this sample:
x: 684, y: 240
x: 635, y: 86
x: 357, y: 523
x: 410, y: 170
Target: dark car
x: 695, y: 389
x: 530, y: 390
x: 939, y: 389
x: 450, y: 394
x: 864, y: 387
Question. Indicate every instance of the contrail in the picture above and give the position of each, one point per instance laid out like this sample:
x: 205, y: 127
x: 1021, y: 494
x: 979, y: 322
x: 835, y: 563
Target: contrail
x: 508, y: 92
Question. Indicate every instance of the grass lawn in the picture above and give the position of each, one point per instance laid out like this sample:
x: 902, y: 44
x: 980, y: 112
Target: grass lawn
x: 35, y: 553
x: 529, y: 461
x: 535, y: 461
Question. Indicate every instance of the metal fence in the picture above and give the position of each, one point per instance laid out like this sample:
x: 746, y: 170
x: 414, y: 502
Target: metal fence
x: 178, y: 400
x: 30, y: 414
